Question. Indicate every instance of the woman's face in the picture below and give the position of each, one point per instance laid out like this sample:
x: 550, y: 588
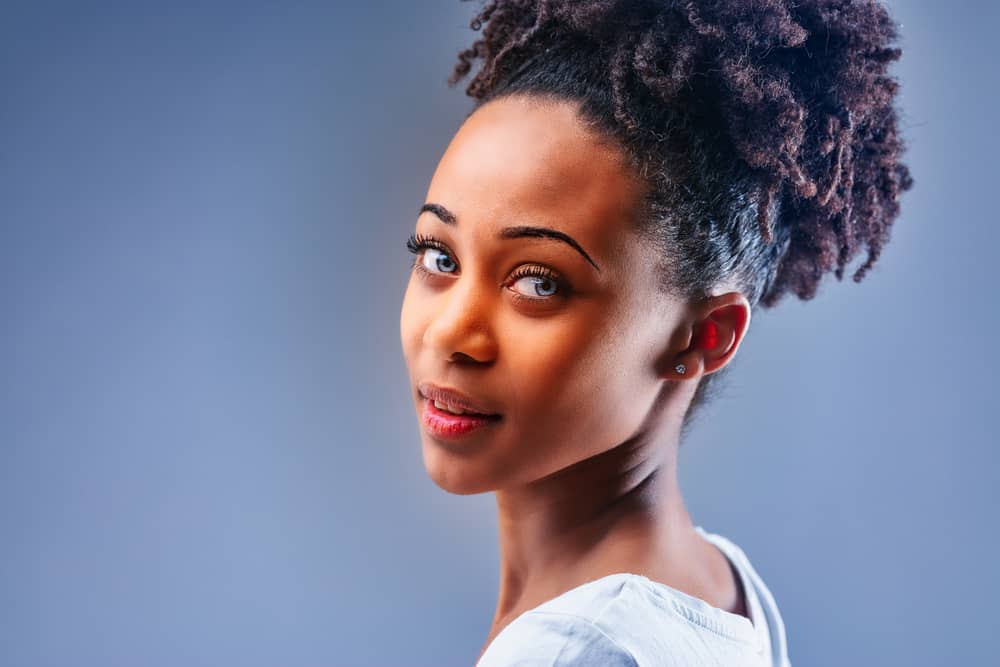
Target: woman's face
x: 563, y: 342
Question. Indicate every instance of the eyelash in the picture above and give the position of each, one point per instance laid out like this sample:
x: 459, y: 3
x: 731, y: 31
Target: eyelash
x: 418, y: 242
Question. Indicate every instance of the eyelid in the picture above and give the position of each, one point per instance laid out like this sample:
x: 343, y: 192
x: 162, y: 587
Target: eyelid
x: 538, y: 270
x: 417, y: 241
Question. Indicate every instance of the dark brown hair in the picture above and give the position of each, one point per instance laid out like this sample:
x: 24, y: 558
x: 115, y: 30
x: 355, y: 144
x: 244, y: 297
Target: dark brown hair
x: 765, y: 129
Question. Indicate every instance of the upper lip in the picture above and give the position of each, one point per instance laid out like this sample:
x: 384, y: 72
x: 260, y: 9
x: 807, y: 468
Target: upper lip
x: 454, y: 398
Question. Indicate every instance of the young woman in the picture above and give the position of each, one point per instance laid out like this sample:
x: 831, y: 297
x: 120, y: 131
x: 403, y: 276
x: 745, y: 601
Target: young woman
x: 636, y: 177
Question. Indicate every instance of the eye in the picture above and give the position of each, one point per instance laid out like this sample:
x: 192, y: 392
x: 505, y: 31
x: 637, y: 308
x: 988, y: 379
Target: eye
x: 437, y: 261
x: 433, y: 256
x: 537, y: 286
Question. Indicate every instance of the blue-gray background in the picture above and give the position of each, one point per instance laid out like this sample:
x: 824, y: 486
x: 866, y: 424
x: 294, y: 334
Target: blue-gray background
x: 208, y: 451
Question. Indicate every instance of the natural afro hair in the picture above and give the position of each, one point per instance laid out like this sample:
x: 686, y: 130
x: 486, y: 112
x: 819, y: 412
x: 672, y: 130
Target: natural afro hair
x: 765, y: 129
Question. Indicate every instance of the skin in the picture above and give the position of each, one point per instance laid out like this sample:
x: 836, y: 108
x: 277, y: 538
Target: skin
x: 583, y: 462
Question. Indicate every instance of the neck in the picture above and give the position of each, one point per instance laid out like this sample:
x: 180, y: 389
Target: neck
x: 620, y: 511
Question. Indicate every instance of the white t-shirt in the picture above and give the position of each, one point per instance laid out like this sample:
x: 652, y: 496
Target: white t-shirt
x: 628, y: 620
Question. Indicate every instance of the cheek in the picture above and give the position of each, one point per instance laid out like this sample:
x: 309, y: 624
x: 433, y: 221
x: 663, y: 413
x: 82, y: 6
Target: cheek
x: 571, y: 391
x: 411, y: 322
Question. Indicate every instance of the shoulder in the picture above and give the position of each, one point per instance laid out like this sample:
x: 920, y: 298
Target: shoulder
x: 760, y: 598
x: 544, y: 638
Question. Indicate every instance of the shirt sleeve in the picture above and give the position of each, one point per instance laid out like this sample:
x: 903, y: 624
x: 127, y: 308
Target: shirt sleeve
x: 553, y: 639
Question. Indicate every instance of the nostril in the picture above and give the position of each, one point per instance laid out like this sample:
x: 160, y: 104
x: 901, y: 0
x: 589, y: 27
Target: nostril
x: 463, y: 357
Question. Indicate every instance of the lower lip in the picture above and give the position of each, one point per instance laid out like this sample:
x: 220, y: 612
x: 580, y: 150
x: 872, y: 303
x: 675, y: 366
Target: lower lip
x: 444, y: 424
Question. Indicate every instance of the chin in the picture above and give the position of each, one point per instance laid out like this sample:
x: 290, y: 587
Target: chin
x: 452, y: 473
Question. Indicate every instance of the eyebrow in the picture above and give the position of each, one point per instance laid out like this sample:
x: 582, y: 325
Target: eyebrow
x: 449, y: 218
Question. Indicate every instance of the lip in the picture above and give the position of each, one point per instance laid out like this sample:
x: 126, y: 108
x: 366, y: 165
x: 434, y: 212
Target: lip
x: 433, y: 392
x: 446, y: 426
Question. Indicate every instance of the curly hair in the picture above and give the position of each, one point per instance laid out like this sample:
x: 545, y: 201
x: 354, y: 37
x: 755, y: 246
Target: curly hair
x: 765, y: 128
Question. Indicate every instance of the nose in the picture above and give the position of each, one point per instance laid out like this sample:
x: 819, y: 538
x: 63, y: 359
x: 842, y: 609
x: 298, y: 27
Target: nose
x: 460, y: 330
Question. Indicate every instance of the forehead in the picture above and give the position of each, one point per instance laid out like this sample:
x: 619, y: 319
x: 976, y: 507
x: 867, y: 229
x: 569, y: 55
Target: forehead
x: 520, y: 160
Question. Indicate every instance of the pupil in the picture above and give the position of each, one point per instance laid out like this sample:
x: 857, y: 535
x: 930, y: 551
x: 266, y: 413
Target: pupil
x: 443, y: 259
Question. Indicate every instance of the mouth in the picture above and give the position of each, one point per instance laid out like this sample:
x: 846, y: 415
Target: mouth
x: 442, y: 423
x: 449, y: 414
x: 455, y: 402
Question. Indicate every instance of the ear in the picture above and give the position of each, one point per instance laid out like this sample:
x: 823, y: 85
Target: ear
x: 702, y: 352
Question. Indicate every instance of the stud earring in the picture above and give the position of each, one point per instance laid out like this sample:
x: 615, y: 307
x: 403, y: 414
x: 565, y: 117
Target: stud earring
x: 680, y: 368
